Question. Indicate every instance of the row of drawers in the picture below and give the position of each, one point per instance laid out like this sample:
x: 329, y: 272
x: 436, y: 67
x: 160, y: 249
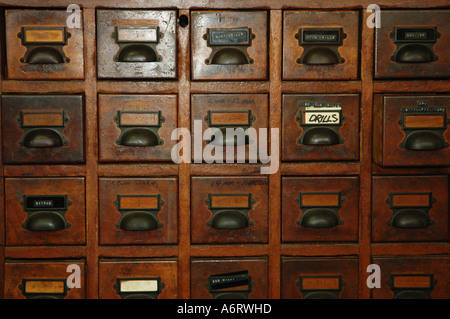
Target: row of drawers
x: 238, y: 278
x: 231, y: 45
x: 51, y: 211
x: 408, y: 130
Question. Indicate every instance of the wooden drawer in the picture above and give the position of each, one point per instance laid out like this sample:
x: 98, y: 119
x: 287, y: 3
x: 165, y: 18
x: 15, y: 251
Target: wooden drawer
x: 410, y: 208
x: 229, y: 209
x: 138, y: 211
x: 228, y: 111
x: 250, y: 273
x: 41, y: 45
x: 136, y: 127
x: 320, y: 45
x: 320, y: 127
x: 138, y: 278
x: 319, y: 278
x: 136, y: 44
x: 45, y: 211
x: 411, y: 130
x: 413, y: 44
x: 320, y: 209
x: 229, y: 45
x: 43, y: 279
x: 42, y: 129
x: 413, y: 277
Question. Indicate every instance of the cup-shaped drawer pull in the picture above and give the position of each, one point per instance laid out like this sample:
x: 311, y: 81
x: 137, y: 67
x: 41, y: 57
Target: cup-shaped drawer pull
x: 230, y: 127
x: 320, y: 287
x: 44, y: 45
x: 45, y: 212
x: 139, y: 128
x: 320, y: 123
x: 137, y: 43
x: 229, y: 45
x: 233, y: 285
x: 424, y: 127
x: 44, y: 288
x: 412, y: 286
x: 139, y: 212
x: 43, y: 129
x: 230, y: 211
x: 319, y: 210
x: 139, y: 288
x: 320, y: 45
x: 414, y: 44
x: 410, y: 210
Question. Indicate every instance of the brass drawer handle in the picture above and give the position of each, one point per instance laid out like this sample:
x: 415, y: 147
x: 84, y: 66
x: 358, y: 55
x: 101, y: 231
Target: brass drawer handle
x: 412, y: 286
x: 137, y: 44
x: 229, y: 45
x: 230, y: 211
x: 410, y: 210
x: 320, y: 210
x: 138, y: 212
x: 45, y: 212
x: 414, y: 44
x: 139, y: 288
x: 219, y: 286
x: 320, y: 287
x: 320, y: 45
x: 44, y: 45
x: 44, y: 288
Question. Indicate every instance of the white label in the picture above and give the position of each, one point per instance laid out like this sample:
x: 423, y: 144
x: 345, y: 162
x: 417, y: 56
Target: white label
x: 138, y: 285
x: 137, y: 34
x: 321, y: 118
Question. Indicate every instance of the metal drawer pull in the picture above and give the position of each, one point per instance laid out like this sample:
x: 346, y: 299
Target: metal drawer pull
x: 44, y: 288
x: 320, y: 287
x: 43, y: 129
x: 412, y: 286
x: 414, y: 44
x: 139, y: 128
x: 320, y: 210
x: 138, y: 212
x: 320, y: 123
x: 229, y: 45
x: 424, y: 127
x: 137, y: 44
x: 139, y: 288
x: 410, y: 210
x: 232, y: 120
x: 229, y: 211
x: 45, y: 212
x: 320, y: 45
x: 219, y: 286
x: 44, y: 45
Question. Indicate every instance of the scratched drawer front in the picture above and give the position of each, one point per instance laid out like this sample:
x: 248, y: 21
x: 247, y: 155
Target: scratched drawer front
x: 41, y: 45
x: 42, y: 129
x: 138, y: 211
x: 410, y: 209
x: 228, y: 112
x: 134, y: 278
x: 44, y: 279
x: 408, y: 277
x: 256, y: 268
x: 136, y: 44
x: 229, y: 45
x: 319, y: 278
x: 45, y: 211
x: 320, y: 127
x: 320, y: 45
x: 412, y: 44
x: 136, y: 127
x: 411, y: 130
x: 321, y: 209
x: 229, y: 210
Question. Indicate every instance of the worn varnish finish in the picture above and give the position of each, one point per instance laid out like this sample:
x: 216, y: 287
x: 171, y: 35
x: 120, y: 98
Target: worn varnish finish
x: 269, y: 76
